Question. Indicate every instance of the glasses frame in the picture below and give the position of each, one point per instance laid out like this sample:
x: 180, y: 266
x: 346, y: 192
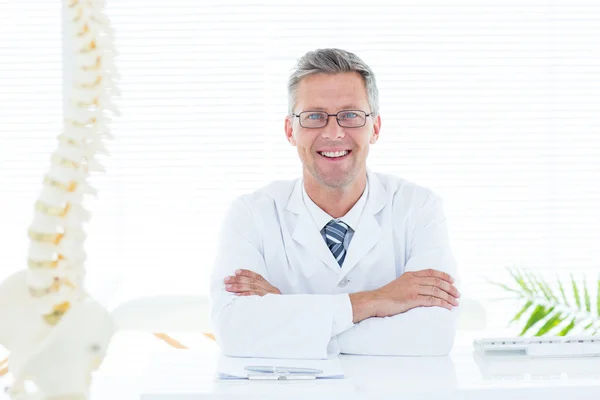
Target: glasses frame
x: 337, y: 118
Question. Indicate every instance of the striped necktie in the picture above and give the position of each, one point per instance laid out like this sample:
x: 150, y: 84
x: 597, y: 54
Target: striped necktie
x: 335, y: 231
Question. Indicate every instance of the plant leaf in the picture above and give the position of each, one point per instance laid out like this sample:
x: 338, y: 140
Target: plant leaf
x: 562, y: 291
x: 535, y: 283
x: 576, y: 292
x: 586, y: 296
x: 503, y: 286
x: 537, y: 315
x: 538, y: 282
x: 519, y: 279
x: 552, y: 322
x: 567, y: 328
x: 539, y: 295
x: 549, y: 290
x: 598, y: 299
x: 520, y: 313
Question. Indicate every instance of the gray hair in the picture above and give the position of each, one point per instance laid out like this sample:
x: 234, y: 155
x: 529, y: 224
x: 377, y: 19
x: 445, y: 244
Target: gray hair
x: 332, y: 61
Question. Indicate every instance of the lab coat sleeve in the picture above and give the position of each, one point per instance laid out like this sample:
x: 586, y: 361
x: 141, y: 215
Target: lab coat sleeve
x: 342, y: 314
x: 272, y: 326
x: 421, y: 331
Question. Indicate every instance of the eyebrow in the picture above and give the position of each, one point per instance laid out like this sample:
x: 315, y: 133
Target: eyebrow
x: 346, y: 107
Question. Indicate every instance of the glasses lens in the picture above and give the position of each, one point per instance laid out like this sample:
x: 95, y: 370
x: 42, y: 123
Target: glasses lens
x: 313, y: 119
x: 351, y: 119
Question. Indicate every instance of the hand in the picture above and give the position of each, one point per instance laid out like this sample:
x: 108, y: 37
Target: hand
x: 426, y: 288
x: 248, y: 283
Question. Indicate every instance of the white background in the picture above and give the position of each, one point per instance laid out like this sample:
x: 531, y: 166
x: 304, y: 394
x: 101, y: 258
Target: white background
x: 493, y: 104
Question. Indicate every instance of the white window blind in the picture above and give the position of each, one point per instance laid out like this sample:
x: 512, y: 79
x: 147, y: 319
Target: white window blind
x: 493, y: 104
x: 31, y: 102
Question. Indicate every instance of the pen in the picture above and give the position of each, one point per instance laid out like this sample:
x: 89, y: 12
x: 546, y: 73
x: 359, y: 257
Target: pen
x: 281, y: 370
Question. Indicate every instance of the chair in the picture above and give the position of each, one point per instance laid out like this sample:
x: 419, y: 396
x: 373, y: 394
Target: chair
x: 165, y: 313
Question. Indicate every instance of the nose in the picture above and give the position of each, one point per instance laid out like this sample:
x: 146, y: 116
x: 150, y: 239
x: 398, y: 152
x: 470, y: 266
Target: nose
x: 333, y: 130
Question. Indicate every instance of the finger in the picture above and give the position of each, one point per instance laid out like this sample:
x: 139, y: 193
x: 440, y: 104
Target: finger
x: 249, y: 274
x: 240, y: 287
x: 434, y: 273
x: 250, y: 282
x: 431, y: 301
x: 240, y: 279
x: 439, y: 293
x: 442, y: 284
x: 247, y: 294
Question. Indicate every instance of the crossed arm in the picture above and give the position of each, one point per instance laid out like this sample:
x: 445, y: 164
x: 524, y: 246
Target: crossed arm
x: 425, y: 288
x: 412, y: 315
x: 381, y: 325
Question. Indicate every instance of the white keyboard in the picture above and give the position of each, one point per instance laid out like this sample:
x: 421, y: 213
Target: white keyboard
x: 545, y: 346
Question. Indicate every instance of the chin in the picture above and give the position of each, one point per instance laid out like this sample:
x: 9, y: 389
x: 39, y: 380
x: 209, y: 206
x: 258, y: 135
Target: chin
x: 335, y: 182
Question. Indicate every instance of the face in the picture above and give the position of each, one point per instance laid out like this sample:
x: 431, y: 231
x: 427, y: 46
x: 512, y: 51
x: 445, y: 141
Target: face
x: 332, y: 156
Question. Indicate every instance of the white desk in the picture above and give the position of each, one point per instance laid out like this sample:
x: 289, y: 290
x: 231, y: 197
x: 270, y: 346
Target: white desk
x: 187, y: 376
x: 127, y: 373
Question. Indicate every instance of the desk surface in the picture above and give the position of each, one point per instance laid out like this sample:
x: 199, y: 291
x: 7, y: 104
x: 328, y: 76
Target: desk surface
x: 132, y: 368
x: 462, y: 375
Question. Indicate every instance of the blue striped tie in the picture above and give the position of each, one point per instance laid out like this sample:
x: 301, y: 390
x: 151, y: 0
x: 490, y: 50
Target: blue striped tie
x: 335, y: 231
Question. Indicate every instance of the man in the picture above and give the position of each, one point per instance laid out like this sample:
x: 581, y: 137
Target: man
x: 344, y: 259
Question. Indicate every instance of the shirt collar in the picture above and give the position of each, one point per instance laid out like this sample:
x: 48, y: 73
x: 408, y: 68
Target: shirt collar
x: 321, y: 218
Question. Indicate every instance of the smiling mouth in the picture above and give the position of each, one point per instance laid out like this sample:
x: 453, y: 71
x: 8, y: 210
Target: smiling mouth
x: 334, y: 155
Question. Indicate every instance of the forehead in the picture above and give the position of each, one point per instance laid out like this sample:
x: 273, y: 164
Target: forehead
x: 332, y: 92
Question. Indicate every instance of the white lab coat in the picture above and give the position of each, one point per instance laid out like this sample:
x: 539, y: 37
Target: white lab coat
x: 402, y: 228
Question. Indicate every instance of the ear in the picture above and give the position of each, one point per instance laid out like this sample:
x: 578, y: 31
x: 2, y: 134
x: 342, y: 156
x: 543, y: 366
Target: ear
x: 289, y: 131
x: 376, y: 128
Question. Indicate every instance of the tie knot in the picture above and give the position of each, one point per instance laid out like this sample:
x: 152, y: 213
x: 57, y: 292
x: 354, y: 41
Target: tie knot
x: 337, y: 227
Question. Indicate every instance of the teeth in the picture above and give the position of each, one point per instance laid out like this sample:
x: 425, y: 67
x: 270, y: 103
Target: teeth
x: 334, y: 154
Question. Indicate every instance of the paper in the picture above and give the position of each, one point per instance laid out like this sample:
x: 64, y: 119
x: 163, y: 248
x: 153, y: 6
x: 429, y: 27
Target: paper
x: 233, y: 367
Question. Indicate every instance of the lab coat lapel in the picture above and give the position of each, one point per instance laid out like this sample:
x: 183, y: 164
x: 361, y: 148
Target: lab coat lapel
x: 368, y: 232
x: 305, y: 231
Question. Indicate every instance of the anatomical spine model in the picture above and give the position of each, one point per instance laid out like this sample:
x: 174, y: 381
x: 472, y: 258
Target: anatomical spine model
x: 56, y: 333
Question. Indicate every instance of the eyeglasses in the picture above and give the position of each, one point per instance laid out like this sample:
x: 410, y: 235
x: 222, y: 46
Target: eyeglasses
x: 345, y: 118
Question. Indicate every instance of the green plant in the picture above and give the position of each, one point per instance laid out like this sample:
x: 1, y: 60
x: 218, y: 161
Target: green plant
x: 554, y: 310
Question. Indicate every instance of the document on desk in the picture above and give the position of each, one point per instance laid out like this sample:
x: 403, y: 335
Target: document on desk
x: 238, y: 367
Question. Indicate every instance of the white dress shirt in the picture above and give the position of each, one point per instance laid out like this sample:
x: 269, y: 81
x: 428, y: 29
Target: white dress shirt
x: 343, y: 307
x: 352, y: 217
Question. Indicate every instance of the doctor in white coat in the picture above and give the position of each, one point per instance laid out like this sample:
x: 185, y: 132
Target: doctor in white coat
x: 343, y: 259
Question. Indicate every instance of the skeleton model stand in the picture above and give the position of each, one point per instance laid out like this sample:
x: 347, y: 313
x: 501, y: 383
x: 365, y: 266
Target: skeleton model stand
x: 56, y: 333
